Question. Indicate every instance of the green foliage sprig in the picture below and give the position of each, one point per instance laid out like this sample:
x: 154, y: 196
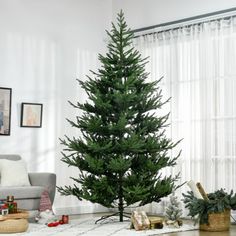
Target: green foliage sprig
x: 219, y: 201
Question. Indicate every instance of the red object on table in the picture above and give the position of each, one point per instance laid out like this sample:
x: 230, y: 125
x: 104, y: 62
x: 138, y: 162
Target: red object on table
x: 65, y: 219
x: 53, y: 224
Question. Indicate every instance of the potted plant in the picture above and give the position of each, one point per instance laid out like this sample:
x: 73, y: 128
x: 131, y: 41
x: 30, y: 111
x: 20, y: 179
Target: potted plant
x: 212, y: 211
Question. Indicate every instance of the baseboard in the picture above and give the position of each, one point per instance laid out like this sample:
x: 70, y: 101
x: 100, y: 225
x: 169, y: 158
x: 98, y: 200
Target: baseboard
x: 74, y: 210
x: 96, y: 208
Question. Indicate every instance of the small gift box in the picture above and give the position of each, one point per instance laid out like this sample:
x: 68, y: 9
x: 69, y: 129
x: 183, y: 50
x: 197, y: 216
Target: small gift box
x: 139, y: 220
x: 155, y: 222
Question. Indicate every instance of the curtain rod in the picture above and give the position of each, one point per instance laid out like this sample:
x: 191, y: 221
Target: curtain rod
x: 183, y: 20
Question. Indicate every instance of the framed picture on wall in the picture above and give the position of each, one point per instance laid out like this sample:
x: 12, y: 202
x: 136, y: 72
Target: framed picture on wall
x: 31, y: 115
x: 5, y: 111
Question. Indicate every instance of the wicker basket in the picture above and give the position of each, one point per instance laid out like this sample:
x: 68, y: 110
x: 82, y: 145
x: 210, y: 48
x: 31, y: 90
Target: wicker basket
x: 217, y: 222
x: 14, y: 223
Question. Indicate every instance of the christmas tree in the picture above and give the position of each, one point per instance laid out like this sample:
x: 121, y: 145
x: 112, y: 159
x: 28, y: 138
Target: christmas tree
x: 123, y: 146
x: 173, y: 211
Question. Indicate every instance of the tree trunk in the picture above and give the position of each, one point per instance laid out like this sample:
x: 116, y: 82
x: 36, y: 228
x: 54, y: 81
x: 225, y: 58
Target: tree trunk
x: 121, y: 203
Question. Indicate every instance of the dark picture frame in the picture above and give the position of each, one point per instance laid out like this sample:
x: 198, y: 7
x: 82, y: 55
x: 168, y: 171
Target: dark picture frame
x: 31, y: 115
x: 5, y: 110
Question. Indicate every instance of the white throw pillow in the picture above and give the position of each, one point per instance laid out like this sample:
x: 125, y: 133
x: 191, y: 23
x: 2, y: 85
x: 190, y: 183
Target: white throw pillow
x: 13, y: 173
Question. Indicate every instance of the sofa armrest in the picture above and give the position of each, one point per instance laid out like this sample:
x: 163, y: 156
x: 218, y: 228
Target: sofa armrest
x: 47, y: 180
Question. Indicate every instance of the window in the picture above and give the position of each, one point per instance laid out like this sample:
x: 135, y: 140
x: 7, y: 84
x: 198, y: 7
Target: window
x: 198, y: 63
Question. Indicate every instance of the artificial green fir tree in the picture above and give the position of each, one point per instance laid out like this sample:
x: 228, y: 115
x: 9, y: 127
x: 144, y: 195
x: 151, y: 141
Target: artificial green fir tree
x: 173, y: 210
x: 123, y: 146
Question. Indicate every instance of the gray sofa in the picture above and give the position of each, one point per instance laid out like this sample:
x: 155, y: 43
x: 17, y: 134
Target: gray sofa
x: 28, y: 197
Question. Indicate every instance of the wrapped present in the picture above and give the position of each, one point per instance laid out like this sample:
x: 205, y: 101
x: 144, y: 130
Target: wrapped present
x: 155, y: 222
x: 139, y: 220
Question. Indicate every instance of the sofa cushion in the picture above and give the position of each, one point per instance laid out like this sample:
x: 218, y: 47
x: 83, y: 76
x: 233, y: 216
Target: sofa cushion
x: 25, y: 192
x: 13, y: 173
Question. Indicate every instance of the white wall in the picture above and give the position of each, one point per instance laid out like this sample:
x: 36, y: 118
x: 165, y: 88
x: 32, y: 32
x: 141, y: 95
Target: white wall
x: 44, y: 46
x: 143, y: 13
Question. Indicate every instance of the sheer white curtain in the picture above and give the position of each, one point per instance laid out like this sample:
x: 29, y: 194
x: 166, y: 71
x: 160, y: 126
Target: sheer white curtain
x: 198, y: 63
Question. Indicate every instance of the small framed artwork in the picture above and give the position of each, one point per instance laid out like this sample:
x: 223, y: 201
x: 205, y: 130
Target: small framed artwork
x: 31, y: 115
x: 5, y: 111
